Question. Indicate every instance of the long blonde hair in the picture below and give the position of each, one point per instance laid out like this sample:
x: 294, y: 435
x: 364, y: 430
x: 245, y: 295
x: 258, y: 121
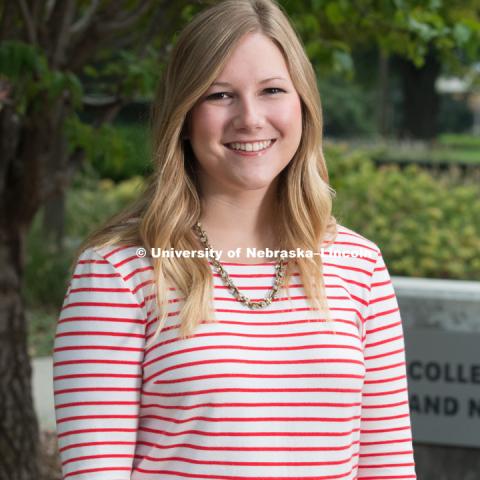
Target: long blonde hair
x: 164, y: 214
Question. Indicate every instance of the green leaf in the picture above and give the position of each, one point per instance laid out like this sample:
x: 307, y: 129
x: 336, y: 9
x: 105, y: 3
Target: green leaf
x: 461, y: 33
x: 334, y: 13
x: 342, y: 61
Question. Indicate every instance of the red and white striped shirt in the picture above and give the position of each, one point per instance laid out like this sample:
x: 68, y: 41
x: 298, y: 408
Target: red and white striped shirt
x: 260, y: 394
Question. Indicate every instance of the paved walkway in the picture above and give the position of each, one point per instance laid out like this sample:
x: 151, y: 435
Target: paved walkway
x: 43, y: 392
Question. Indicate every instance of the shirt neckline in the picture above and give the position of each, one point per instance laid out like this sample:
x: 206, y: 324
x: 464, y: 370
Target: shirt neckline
x: 239, y: 264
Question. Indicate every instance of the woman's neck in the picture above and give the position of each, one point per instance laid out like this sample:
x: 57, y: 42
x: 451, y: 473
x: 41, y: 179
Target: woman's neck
x: 244, y: 220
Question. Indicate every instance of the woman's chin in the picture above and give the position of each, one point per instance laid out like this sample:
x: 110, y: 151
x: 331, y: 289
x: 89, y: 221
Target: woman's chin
x: 253, y: 183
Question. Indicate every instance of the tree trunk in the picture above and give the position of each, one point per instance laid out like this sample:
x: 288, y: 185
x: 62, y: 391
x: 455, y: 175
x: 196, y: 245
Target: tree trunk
x: 56, y: 165
x: 54, y: 220
x: 383, y: 113
x: 35, y: 165
x: 18, y: 423
x: 420, y: 99
x: 19, y: 436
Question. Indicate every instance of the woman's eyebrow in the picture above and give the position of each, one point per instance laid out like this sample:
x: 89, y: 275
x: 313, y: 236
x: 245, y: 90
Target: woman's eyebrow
x: 226, y: 84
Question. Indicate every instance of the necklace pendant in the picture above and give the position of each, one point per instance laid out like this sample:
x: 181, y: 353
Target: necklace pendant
x: 227, y: 281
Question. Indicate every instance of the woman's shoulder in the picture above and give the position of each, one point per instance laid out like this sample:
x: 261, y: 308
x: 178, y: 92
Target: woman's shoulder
x: 119, y: 255
x: 346, y: 237
x: 129, y: 262
x: 350, y: 249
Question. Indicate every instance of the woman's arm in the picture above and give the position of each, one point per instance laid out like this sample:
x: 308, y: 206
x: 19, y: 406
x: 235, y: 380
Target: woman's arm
x: 97, y: 357
x: 385, y: 437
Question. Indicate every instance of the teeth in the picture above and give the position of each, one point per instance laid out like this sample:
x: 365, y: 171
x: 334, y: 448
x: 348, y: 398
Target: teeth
x: 250, y: 147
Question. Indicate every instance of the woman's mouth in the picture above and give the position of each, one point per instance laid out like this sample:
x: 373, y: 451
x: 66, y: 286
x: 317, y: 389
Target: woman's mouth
x: 250, y: 149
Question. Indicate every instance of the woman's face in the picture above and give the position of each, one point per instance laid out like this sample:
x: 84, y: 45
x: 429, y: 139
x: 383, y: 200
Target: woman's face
x: 245, y: 105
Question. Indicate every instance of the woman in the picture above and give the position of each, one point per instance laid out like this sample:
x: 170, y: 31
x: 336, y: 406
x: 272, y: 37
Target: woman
x: 242, y: 368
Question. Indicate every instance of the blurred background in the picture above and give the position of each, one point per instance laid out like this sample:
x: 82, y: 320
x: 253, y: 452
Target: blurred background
x: 400, y: 88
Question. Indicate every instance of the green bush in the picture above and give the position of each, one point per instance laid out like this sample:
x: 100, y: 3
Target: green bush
x: 45, y: 270
x: 132, y: 157
x: 346, y: 118
x: 425, y: 226
x: 93, y: 200
x: 117, y: 152
x: 429, y: 156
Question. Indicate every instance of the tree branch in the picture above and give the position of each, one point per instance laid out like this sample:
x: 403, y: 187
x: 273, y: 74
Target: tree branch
x: 100, y: 31
x: 129, y: 38
x: 158, y: 23
x: 7, y: 21
x: 162, y: 25
x: 38, y: 9
x: 75, y: 161
x: 9, y: 136
x: 29, y: 23
x: 61, y: 17
x: 84, y: 46
x: 84, y: 22
x: 50, y: 6
x: 128, y: 21
x: 107, y: 107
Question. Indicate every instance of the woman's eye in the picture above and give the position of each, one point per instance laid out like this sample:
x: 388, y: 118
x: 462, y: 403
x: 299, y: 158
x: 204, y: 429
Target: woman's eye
x: 218, y: 95
x: 275, y: 88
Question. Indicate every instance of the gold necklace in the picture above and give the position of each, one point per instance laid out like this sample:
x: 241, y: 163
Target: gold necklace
x: 280, y: 267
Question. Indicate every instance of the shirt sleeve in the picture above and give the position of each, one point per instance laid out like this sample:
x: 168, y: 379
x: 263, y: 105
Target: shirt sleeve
x: 97, y: 370
x: 385, y: 431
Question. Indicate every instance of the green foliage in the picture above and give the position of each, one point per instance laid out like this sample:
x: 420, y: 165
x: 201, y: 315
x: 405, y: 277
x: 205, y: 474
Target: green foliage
x: 341, y: 117
x: 91, y: 201
x: 454, y: 114
x: 138, y: 155
x: 409, y: 28
x: 115, y: 151
x: 442, y: 155
x: 124, y: 73
x: 41, y: 324
x: 46, y: 271
x: 26, y: 69
x: 425, y: 226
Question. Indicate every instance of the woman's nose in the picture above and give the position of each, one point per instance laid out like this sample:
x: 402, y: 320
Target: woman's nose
x: 249, y: 114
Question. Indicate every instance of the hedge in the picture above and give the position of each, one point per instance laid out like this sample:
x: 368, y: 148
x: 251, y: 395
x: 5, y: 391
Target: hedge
x: 426, y: 226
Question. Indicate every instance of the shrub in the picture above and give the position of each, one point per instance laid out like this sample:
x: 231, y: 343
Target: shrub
x: 425, y: 226
x: 93, y: 200
x: 118, y: 152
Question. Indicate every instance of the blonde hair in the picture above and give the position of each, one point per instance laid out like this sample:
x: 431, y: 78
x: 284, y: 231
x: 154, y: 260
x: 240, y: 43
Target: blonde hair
x: 164, y: 214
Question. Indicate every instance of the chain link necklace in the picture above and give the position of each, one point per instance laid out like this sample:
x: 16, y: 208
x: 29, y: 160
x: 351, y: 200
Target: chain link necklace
x: 280, y: 268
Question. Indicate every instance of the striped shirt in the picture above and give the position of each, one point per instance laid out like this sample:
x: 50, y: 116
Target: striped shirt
x: 258, y: 394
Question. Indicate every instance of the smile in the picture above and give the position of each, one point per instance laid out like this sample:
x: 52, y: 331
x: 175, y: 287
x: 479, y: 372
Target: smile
x: 250, y: 149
